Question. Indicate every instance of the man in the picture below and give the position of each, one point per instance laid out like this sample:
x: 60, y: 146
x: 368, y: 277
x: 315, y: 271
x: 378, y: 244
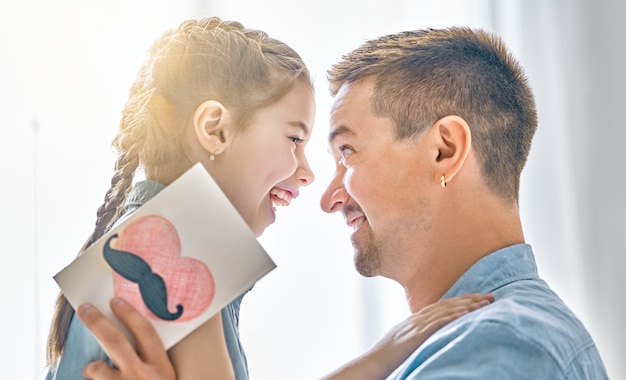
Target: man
x: 430, y: 131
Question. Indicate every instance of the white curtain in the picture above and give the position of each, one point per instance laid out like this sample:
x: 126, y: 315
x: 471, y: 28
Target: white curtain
x: 574, y: 187
x: 64, y: 76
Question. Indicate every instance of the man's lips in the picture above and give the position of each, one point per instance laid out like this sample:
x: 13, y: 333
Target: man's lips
x: 356, y: 223
x: 355, y: 220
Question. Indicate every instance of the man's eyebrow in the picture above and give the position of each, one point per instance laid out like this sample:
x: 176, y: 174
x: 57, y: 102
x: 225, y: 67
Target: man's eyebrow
x: 341, y: 130
x: 300, y: 125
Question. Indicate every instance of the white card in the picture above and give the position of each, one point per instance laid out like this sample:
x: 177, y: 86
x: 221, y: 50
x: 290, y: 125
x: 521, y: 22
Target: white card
x: 179, y: 259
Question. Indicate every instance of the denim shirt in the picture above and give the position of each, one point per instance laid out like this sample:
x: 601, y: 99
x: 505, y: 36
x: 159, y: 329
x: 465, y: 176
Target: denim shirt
x: 527, y: 333
x: 82, y: 348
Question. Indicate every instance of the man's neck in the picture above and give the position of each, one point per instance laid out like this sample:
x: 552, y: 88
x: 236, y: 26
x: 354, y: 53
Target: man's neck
x: 461, y: 245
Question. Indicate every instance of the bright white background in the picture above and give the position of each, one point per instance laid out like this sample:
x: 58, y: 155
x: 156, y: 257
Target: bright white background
x: 65, y: 69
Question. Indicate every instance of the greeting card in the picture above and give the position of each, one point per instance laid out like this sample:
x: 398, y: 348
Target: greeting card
x: 178, y: 259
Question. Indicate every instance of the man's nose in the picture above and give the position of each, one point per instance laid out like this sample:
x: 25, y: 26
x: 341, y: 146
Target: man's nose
x: 335, y: 196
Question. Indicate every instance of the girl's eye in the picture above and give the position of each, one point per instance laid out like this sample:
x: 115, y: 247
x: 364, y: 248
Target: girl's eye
x: 345, y: 151
x: 296, y: 140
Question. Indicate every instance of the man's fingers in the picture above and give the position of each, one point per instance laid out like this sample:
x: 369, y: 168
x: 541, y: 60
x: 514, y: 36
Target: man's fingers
x: 148, y: 342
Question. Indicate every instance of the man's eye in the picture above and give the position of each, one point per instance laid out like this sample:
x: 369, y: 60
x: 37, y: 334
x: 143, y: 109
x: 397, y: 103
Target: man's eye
x: 345, y: 151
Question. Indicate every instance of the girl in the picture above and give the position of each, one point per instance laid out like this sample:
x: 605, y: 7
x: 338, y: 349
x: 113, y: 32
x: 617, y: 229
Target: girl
x: 242, y: 104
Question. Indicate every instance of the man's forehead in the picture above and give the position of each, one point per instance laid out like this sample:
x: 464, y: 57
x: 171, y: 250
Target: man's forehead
x: 337, y: 117
x: 355, y: 93
x: 339, y: 99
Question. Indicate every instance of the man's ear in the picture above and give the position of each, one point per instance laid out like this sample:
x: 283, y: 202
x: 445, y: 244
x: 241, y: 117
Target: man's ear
x: 210, y: 123
x: 453, y: 139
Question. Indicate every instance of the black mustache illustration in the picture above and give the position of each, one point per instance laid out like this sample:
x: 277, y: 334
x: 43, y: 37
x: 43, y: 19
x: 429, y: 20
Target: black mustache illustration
x: 137, y: 270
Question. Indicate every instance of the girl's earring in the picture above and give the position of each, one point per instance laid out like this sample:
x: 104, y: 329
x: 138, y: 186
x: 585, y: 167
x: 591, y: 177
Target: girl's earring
x: 211, y: 157
x: 443, y: 181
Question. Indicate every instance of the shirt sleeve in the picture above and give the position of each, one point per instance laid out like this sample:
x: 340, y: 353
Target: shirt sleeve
x: 81, y: 348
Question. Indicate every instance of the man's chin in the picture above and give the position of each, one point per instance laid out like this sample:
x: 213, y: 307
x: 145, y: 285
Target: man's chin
x: 365, y: 265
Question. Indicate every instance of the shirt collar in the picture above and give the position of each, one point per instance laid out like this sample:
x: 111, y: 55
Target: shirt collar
x: 495, y: 270
x: 142, y: 192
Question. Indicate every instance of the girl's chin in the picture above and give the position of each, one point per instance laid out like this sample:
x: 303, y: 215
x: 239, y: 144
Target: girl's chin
x: 260, y: 226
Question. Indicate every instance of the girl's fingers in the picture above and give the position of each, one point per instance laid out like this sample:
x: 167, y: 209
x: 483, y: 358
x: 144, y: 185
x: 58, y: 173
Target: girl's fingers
x: 469, y: 302
x: 148, y: 360
x: 99, y: 370
x: 110, y: 337
x: 445, y: 311
x: 149, y: 344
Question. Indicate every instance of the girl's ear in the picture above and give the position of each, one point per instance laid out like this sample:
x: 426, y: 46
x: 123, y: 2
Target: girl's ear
x: 210, y: 122
x: 453, y: 140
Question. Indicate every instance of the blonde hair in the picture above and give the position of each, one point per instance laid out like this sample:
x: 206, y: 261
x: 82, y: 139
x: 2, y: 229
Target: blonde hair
x: 423, y: 75
x: 203, y: 59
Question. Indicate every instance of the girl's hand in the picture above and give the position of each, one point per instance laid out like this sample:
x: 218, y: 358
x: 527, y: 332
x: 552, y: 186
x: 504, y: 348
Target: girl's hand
x: 406, y: 336
x: 402, y: 340
x: 148, y: 361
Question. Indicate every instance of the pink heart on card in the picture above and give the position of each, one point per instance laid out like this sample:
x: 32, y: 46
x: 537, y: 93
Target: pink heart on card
x: 188, y: 282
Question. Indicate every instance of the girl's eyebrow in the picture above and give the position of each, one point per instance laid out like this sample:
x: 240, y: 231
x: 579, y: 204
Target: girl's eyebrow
x: 300, y: 125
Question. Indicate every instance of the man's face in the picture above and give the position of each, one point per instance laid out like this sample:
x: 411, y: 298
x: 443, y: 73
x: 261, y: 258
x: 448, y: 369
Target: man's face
x: 378, y: 183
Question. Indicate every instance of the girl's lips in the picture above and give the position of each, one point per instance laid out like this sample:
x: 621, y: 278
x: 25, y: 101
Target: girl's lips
x: 281, y: 197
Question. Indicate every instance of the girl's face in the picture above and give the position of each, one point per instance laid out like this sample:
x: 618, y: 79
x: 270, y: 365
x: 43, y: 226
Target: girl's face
x: 264, y: 165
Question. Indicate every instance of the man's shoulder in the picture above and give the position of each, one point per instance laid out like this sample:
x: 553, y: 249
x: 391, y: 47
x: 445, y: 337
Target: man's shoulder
x: 529, y: 310
x: 534, y: 311
x: 526, y: 330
